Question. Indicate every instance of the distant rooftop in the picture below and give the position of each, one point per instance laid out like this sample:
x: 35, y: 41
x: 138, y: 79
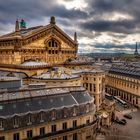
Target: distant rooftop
x: 90, y: 70
x: 10, y: 82
x: 58, y: 73
x: 3, y: 78
x: 127, y: 70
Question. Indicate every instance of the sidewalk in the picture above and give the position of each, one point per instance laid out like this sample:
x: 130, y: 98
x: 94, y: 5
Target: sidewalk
x: 100, y: 137
x: 129, y: 111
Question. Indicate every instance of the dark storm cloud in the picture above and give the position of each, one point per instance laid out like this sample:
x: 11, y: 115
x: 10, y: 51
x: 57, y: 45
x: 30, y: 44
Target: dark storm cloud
x: 97, y: 9
x: 39, y: 9
x: 109, y: 5
x: 35, y: 9
x: 122, y: 26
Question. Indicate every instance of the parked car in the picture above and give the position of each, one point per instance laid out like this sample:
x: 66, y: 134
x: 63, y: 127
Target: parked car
x: 120, y: 121
x: 128, y: 116
x: 123, y: 120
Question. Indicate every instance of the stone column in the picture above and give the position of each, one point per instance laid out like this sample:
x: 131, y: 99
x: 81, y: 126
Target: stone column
x: 97, y: 101
x: 82, y: 135
x: 70, y: 137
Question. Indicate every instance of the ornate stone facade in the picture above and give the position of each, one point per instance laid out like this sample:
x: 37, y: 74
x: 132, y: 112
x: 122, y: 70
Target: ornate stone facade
x: 42, y: 43
x: 54, y: 102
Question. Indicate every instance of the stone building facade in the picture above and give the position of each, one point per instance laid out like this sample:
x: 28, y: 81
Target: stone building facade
x: 64, y: 113
x: 124, y: 81
x: 60, y: 94
x: 42, y: 43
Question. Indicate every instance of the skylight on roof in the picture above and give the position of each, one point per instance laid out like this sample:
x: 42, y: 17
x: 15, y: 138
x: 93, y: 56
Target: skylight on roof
x: 51, y: 100
x: 1, y: 107
x: 14, y: 106
x: 40, y: 102
x: 62, y: 98
x: 27, y: 104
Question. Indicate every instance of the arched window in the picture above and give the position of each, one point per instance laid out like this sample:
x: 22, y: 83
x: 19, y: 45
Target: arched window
x: 49, y: 51
x: 52, y: 43
x: 55, y: 44
x: 49, y: 43
x: 52, y: 51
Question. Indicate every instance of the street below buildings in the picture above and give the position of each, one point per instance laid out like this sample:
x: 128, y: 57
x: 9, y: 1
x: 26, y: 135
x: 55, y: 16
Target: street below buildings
x: 129, y: 131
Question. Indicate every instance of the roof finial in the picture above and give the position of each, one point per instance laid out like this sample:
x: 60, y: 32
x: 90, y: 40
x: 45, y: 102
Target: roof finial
x: 136, y: 50
x: 52, y: 20
x: 75, y: 37
x: 17, y: 26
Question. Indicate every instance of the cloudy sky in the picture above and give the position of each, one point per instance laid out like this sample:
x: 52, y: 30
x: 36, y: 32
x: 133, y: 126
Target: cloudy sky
x: 101, y: 25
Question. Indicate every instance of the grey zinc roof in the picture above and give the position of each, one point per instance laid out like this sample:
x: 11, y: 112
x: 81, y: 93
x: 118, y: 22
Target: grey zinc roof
x: 82, y: 97
x: 130, y: 71
x: 43, y: 103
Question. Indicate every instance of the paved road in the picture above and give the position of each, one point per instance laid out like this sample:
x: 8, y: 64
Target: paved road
x: 130, y: 131
x: 132, y: 128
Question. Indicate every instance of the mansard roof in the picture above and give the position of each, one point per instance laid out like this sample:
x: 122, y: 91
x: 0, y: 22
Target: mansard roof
x: 126, y: 70
x: 73, y: 97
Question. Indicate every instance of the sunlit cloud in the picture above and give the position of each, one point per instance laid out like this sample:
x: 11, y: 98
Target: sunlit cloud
x: 76, y: 4
x: 116, y: 16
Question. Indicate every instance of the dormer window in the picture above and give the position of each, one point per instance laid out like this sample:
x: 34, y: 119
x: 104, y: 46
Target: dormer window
x: 87, y: 108
x: 41, y: 117
x: 53, y: 115
x: 74, y: 111
x: 1, y: 124
x: 15, y: 122
x: 29, y: 120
